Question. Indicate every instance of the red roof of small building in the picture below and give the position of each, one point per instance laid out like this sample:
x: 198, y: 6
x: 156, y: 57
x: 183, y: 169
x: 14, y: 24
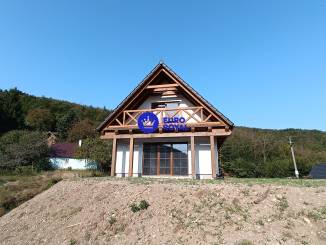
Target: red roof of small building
x: 66, y: 150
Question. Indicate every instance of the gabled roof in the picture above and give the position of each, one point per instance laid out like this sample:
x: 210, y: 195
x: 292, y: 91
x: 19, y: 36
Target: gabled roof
x: 64, y: 150
x: 157, y: 68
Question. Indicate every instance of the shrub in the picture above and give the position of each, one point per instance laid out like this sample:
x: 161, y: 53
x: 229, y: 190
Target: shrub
x: 278, y: 168
x: 96, y: 150
x: 24, y: 148
x: 134, y: 207
x: 141, y: 206
x: 72, y: 242
x: 241, y: 168
x: 112, y: 220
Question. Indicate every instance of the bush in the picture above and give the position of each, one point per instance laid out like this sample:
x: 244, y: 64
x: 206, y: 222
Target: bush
x: 141, y: 206
x: 278, y: 168
x: 241, y: 168
x: 96, y: 150
x: 24, y: 148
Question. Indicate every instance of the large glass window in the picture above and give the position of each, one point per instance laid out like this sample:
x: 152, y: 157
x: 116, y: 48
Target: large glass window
x: 165, y: 159
x: 180, y: 159
x: 150, y: 159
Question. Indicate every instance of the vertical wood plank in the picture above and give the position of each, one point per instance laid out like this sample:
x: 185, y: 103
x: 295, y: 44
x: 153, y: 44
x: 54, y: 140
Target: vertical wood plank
x: 193, y: 156
x: 131, y: 156
x: 113, y: 156
x: 213, y: 159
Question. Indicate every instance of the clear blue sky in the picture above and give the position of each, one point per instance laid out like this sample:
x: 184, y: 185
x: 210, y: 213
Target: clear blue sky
x: 262, y: 63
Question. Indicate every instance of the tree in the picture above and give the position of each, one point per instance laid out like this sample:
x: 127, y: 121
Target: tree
x: 81, y: 130
x: 11, y: 114
x: 40, y: 119
x: 65, y: 122
x: 95, y: 149
x: 24, y: 148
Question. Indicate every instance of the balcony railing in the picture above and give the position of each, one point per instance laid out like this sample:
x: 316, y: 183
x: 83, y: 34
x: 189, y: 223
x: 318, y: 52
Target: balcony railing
x: 190, y: 114
x: 193, y: 117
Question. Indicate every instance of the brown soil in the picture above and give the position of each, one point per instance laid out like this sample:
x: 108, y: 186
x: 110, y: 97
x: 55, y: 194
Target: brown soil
x: 97, y: 211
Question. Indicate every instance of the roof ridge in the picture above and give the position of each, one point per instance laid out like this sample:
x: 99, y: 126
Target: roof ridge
x: 162, y: 64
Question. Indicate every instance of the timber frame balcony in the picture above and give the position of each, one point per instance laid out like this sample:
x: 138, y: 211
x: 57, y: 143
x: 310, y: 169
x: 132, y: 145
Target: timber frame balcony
x: 195, y: 117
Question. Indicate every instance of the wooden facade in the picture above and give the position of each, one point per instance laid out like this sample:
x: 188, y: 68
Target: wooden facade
x: 166, y: 95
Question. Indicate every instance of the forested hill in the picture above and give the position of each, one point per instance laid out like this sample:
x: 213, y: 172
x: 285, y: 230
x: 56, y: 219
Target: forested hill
x: 19, y: 110
x: 249, y: 152
x: 252, y: 152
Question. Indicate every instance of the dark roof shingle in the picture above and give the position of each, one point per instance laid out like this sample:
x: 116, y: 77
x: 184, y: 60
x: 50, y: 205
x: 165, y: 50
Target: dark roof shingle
x: 66, y: 150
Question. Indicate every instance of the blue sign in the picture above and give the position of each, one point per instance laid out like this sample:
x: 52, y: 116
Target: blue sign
x: 175, y: 124
x: 148, y: 122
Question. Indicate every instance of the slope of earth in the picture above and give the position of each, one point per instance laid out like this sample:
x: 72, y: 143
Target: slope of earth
x: 97, y: 211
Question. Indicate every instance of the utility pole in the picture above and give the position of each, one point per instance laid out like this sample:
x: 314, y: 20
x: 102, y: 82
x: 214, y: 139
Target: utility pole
x: 296, y: 172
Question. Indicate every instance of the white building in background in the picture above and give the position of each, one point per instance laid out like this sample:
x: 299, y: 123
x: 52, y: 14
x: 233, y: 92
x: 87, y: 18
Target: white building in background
x: 165, y: 128
x: 63, y: 156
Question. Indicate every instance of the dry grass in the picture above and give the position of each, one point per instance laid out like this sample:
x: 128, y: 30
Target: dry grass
x: 16, y: 189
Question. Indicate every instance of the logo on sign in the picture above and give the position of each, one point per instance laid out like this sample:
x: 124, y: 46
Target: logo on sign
x: 175, y: 124
x: 147, y: 122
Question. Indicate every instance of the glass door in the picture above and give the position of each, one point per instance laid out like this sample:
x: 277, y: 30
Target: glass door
x: 150, y: 157
x: 180, y: 159
x: 165, y: 159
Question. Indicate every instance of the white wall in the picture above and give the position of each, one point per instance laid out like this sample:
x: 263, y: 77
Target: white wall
x: 183, y: 103
x: 122, y: 166
x: 202, y: 151
x: 64, y: 163
x: 203, y: 157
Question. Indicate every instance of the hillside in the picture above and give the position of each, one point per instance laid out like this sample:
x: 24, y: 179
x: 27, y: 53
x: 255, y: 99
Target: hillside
x: 252, y: 152
x: 98, y: 211
x: 15, y: 106
x: 249, y: 152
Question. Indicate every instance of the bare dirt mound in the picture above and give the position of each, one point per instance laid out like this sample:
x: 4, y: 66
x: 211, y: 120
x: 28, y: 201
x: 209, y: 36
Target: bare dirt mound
x: 97, y: 211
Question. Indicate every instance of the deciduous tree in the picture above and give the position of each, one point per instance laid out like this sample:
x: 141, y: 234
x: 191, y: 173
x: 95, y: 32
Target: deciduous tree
x: 81, y: 130
x: 40, y: 119
x: 95, y: 149
x: 24, y: 148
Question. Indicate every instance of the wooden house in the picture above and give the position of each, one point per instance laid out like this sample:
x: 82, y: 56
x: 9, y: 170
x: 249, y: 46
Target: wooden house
x: 165, y: 128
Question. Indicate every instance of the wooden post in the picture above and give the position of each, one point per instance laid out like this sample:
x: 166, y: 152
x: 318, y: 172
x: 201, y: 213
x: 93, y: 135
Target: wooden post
x: 131, y: 156
x: 193, y: 156
x: 213, y: 159
x: 219, y: 161
x: 113, y: 156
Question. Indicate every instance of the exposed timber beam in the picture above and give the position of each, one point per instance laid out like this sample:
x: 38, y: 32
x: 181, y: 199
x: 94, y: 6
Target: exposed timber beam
x: 215, y: 132
x: 162, y: 86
